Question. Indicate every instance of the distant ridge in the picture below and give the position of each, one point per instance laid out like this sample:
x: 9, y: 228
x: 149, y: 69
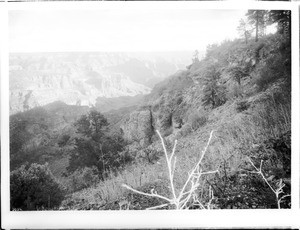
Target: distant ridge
x: 79, y: 78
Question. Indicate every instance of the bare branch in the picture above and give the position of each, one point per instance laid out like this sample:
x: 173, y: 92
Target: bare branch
x: 253, y: 165
x: 169, y: 164
x: 197, y: 165
x: 194, y: 176
x: 211, y: 194
x: 281, y: 198
x: 174, y: 166
x: 147, y: 194
x: 173, y: 151
x: 277, y: 191
x: 210, y: 172
x: 158, y: 206
x: 260, y: 167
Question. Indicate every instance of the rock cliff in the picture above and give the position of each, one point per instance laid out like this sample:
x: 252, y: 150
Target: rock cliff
x: 138, y: 127
x: 80, y: 78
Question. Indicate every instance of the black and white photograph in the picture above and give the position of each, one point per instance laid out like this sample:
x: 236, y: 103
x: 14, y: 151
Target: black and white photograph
x: 150, y: 109
x: 149, y: 114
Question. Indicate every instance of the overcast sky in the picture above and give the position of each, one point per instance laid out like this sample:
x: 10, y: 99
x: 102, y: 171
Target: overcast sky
x: 120, y: 30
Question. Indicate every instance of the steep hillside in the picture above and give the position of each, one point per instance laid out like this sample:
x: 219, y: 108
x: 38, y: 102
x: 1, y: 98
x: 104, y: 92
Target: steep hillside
x: 242, y: 72
x: 239, y: 91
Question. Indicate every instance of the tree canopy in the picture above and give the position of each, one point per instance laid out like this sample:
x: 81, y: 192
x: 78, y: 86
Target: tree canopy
x: 34, y: 187
x: 97, y: 147
x: 93, y: 125
x: 214, y: 92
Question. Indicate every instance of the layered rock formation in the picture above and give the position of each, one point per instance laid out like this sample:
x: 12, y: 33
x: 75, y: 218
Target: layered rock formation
x: 81, y: 78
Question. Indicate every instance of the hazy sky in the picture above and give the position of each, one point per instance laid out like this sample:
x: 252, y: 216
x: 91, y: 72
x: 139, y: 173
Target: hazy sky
x: 120, y: 30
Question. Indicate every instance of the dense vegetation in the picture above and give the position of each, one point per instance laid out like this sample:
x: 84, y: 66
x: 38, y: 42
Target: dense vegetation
x: 34, y: 188
x: 241, y: 91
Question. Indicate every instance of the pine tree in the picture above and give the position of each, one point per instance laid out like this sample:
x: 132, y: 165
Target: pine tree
x: 258, y: 19
x: 244, y: 30
x: 196, y: 57
x: 93, y: 125
x: 96, y: 147
x: 214, y: 92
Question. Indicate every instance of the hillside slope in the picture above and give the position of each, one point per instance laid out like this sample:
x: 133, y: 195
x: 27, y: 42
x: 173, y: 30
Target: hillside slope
x: 242, y: 73
x: 235, y: 103
x: 239, y: 91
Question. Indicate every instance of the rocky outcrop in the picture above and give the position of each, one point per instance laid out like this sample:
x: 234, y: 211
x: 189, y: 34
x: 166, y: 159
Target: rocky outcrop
x: 141, y: 125
x: 138, y: 127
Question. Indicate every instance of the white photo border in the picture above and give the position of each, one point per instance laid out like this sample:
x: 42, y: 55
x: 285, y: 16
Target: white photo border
x: 147, y: 219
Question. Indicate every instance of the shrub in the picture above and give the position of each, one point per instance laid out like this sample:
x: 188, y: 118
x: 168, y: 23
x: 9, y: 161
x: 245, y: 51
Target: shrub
x: 279, y: 189
x: 152, y: 154
x: 179, y: 100
x: 155, y: 108
x: 167, y: 132
x: 235, y: 91
x: 63, y: 140
x: 196, y: 120
x: 165, y: 118
x: 188, y: 194
x: 185, y: 130
x: 269, y: 71
x: 34, y: 187
x: 242, y: 106
x: 83, y: 178
x: 177, y: 119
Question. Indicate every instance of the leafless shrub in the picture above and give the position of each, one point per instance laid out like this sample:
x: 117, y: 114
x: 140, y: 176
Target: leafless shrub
x: 188, y: 191
x: 278, y: 190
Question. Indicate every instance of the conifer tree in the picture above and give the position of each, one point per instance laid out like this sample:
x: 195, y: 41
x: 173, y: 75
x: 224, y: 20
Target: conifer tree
x: 258, y: 19
x: 244, y: 30
x: 214, y: 92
